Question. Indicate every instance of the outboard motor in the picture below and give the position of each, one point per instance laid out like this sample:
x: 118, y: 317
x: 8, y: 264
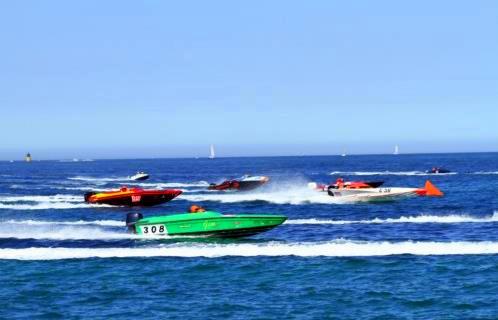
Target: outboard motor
x: 131, y: 219
x: 88, y: 195
x: 330, y: 191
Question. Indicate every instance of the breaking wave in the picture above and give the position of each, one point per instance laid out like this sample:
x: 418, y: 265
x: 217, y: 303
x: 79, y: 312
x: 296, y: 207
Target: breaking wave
x: 335, y: 248
x: 486, y: 172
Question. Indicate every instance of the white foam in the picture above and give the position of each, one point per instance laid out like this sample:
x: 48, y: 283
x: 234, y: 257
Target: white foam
x: 403, y: 219
x: 55, y: 187
x: 385, y: 173
x: 61, y: 232
x: 34, y: 198
x: 295, y: 196
x: 95, y: 179
x: 50, y: 205
x: 336, y: 248
x: 83, y: 189
x: 172, y: 184
x: 59, y: 201
x: 108, y: 223
x: 486, y: 172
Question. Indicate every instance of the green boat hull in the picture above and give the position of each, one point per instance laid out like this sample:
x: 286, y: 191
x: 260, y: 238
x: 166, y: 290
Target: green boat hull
x: 207, y: 224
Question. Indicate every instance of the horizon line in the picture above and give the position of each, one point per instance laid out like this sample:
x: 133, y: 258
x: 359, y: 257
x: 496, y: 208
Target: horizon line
x: 262, y: 156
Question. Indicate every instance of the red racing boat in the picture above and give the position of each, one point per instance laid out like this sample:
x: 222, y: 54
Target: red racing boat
x: 132, y: 197
x: 244, y: 183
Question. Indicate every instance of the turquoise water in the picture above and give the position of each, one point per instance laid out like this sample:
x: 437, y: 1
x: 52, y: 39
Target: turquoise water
x: 423, y: 258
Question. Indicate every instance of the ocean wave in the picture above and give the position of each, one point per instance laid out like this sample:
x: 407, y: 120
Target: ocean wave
x: 76, y: 160
x: 385, y: 173
x: 403, y: 219
x: 335, y: 248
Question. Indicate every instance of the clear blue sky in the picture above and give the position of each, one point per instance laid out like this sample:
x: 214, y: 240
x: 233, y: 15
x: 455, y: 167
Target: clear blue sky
x: 106, y: 79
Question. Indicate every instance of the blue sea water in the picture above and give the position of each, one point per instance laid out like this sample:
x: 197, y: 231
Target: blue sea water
x: 416, y: 258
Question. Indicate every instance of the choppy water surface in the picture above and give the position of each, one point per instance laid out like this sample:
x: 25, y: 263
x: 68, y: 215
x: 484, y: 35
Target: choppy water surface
x: 414, y: 258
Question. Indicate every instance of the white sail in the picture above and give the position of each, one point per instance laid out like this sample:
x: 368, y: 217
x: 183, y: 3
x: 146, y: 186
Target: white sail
x: 211, y: 153
x: 396, y: 150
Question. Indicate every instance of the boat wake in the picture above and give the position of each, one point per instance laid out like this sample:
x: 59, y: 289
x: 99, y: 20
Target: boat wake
x: 46, y: 206
x: 409, y: 219
x: 335, y: 248
x: 175, y: 184
x: 105, y: 223
x: 292, y: 195
x: 95, y: 179
x: 55, y: 187
x: 155, y: 185
x: 59, y: 201
x: 54, y: 198
x: 386, y: 173
x: 486, y: 172
x: 103, y: 229
x: 53, y: 231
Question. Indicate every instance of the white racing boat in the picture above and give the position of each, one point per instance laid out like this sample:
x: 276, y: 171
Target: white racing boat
x: 139, y: 176
x: 383, y: 194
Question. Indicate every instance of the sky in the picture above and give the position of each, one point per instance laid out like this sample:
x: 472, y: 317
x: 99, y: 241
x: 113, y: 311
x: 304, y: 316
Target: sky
x: 139, y: 79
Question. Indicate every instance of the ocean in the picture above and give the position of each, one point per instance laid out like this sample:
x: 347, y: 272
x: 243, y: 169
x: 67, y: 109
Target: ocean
x: 416, y: 258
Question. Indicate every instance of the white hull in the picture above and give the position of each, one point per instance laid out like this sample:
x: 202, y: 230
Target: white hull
x: 372, y: 194
x: 139, y: 176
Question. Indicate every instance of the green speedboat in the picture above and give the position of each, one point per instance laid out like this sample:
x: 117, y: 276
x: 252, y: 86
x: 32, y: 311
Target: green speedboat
x: 208, y: 223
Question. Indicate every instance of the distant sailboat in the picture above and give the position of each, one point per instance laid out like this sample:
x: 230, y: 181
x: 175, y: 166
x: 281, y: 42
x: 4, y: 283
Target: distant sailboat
x: 212, y: 155
x: 343, y: 154
x: 396, y: 150
x: 28, y: 157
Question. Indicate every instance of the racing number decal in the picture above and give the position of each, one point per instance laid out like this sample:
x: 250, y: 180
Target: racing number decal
x: 135, y: 198
x: 154, y: 229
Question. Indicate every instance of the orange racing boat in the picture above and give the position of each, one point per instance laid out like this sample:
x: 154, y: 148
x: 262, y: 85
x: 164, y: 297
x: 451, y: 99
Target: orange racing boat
x: 132, y: 197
